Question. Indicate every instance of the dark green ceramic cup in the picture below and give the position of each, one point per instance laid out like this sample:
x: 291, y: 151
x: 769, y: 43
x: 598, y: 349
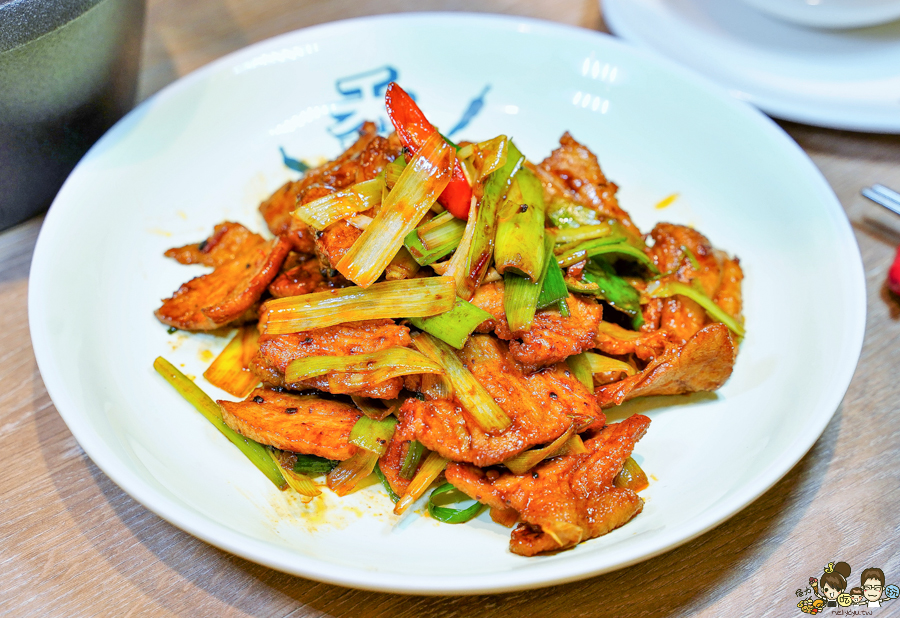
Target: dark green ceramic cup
x: 68, y: 71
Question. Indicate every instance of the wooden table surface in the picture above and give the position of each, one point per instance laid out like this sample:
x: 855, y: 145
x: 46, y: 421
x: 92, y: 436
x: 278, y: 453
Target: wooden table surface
x: 73, y: 544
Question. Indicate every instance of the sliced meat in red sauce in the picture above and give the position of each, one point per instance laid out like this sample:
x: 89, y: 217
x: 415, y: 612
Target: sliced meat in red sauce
x: 573, y: 172
x: 277, y: 351
x: 228, y: 241
x: 717, y: 275
x: 704, y: 363
x: 230, y: 294
x: 296, y: 423
x: 552, y: 338
x: 542, y: 406
x: 302, y: 274
x: 335, y: 174
x: 392, y: 460
x: 565, y: 500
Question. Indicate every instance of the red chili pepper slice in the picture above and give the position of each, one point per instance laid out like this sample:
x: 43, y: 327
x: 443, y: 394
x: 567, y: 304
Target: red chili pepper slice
x: 413, y: 129
x: 894, y: 274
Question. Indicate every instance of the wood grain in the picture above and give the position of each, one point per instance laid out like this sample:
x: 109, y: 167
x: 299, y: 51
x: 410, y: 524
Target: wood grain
x: 73, y: 544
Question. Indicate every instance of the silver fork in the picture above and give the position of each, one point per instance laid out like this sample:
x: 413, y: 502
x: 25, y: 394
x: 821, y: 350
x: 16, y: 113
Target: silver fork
x: 880, y: 194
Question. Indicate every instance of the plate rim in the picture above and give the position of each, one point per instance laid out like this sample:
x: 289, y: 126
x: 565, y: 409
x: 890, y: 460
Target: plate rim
x: 613, y: 11
x: 530, y: 577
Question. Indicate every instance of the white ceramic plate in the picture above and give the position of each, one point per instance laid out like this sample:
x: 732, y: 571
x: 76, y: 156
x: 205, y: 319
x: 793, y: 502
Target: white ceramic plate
x: 843, y: 79
x: 207, y: 149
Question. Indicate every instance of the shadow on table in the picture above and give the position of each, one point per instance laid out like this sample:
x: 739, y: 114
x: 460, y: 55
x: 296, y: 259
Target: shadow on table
x: 680, y: 582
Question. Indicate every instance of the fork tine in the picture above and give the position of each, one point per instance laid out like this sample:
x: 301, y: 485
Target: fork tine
x: 884, y: 196
x: 887, y: 192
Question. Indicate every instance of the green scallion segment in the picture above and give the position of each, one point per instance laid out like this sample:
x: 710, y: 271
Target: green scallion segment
x: 523, y: 462
x: 451, y: 495
x: 386, y: 484
x: 393, y: 170
x: 521, y: 295
x: 348, y: 474
x: 313, y: 465
x: 454, y: 326
x: 614, y: 289
x: 673, y: 288
x: 412, y: 459
x: 604, y: 246
x: 597, y: 363
x: 435, y: 242
x: 520, y: 229
x: 373, y: 435
x: 554, y: 290
x: 255, y: 452
x: 581, y: 367
x: 374, y: 367
x: 481, y: 250
x: 583, y: 233
x: 469, y: 392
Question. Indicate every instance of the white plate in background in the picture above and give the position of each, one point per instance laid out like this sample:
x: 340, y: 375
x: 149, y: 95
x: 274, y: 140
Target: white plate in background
x: 206, y: 149
x: 841, y: 79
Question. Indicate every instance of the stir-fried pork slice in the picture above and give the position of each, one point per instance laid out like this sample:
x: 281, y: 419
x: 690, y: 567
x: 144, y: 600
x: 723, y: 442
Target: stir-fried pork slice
x: 392, y: 460
x: 277, y: 209
x: 718, y: 276
x: 572, y: 171
x: 331, y: 244
x: 728, y: 296
x: 552, y: 338
x: 335, y: 174
x: 542, y: 406
x: 277, y: 351
x: 303, y: 276
x: 565, y: 500
x: 297, y: 423
x: 617, y: 341
x: 228, y: 241
x: 227, y: 295
x: 704, y: 363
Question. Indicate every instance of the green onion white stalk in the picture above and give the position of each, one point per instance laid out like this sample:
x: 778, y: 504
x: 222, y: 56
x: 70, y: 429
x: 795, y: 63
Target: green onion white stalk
x: 389, y: 299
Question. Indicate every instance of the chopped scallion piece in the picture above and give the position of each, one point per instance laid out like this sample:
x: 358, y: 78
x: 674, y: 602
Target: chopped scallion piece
x: 451, y: 495
x: 374, y: 367
x: 481, y: 251
x: 672, y: 288
x: 604, y: 246
x: 393, y: 170
x: 402, y: 266
x: 455, y: 325
x: 255, y: 452
x: 313, y: 465
x: 348, y: 474
x: 597, y: 363
x: 614, y: 289
x: 581, y: 367
x: 631, y: 477
x: 520, y: 229
x: 230, y: 371
x: 418, y: 187
x: 583, y: 233
x: 373, y: 435
x: 411, y: 461
x: 300, y: 483
x: 554, y: 289
x: 469, y: 392
x: 386, y: 484
x: 389, y: 299
x: 520, y: 294
x: 428, y: 472
x: 523, y: 462
x: 333, y: 207
x: 436, y: 241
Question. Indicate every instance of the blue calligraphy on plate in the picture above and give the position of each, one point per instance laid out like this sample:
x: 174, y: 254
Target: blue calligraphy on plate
x: 363, y: 100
